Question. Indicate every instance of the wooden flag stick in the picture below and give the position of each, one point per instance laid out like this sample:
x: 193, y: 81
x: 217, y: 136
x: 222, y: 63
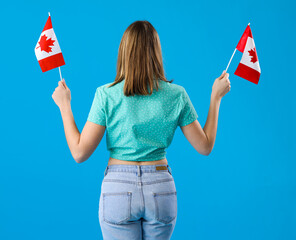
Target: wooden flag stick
x: 231, y: 57
x: 60, y: 73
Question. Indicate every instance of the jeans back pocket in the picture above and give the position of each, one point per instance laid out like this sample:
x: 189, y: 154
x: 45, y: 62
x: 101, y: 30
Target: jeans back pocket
x: 117, y: 207
x: 165, y: 206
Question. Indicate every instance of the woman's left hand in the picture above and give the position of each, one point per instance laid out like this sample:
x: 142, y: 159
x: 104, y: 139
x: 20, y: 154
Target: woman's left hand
x: 62, y: 94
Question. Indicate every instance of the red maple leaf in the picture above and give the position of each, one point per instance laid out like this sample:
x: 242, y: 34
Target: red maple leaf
x: 45, y: 44
x: 253, y: 55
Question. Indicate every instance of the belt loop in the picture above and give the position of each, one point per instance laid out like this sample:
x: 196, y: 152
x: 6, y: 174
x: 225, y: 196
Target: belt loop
x: 169, y: 169
x: 139, y: 171
x: 105, y: 173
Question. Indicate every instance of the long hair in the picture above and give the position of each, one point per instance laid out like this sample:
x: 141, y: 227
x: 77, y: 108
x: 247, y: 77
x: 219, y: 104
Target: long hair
x: 140, y: 60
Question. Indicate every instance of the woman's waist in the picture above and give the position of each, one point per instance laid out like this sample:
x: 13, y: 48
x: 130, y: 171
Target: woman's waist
x: 159, y: 171
x: 114, y: 161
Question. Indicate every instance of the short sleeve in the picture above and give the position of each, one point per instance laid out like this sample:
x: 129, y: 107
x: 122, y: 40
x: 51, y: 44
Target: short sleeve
x: 188, y: 113
x: 97, y: 112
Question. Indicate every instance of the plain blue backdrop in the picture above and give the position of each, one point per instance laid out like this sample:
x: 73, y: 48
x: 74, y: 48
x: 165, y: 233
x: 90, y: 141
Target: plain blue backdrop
x: 245, y: 189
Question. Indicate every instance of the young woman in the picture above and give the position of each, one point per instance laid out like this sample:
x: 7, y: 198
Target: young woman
x: 140, y: 112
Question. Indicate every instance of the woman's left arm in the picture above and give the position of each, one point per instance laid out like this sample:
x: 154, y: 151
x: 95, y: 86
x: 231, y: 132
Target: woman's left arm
x: 81, y: 145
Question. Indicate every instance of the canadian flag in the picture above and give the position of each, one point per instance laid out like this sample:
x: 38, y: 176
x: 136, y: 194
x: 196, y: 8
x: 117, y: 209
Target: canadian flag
x: 248, y: 67
x: 47, y: 50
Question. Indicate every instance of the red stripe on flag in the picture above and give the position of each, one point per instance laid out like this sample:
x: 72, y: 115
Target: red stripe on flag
x: 48, y: 24
x: 51, y: 62
x: 247, y: 73
x: 242, y: 42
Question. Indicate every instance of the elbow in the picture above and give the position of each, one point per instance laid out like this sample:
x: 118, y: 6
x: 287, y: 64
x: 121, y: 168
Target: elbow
x: 208, y: 149
x: 78, y: 158
x: 207, y: 153
x: 207, y: 146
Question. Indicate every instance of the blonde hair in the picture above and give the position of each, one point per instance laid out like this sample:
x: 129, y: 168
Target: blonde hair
x: 140, y: 60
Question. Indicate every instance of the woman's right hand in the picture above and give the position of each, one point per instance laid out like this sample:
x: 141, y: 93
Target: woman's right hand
x: 221, y: 86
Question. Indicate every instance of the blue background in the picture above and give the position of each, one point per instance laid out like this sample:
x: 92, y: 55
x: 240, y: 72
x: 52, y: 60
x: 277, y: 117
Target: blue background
x: 245, y: 189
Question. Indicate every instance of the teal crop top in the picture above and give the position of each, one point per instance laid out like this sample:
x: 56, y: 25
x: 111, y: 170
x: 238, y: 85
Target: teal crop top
x: 141, y: 128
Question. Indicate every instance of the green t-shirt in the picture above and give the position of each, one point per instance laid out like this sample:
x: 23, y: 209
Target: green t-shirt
x: 141, y: 128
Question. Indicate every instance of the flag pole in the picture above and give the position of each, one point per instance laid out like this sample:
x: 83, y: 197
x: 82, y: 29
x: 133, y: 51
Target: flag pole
x: 59, y: 67
x: 60, y: 73
x: 231, y: 57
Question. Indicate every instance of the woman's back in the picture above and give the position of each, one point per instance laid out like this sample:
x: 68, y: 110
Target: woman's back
x: 141, y: 127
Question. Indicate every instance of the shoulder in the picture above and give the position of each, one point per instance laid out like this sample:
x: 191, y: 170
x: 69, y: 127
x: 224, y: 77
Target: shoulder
x: 103, y: 89
x: 174, y: 89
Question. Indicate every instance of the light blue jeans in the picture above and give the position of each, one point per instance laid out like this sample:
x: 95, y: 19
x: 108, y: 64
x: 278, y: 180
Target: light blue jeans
x: 137, y: 203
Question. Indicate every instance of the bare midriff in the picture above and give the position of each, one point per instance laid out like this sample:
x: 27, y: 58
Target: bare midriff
x: 113, y: 161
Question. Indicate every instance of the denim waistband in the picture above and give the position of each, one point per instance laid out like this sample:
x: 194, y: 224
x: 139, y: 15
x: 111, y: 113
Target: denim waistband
x: 136, y: 168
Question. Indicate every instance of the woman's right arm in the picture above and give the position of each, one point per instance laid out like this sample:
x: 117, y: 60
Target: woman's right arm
x: 203, y: 139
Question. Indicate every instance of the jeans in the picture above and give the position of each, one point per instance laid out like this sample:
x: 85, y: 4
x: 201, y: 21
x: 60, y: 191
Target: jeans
x: 137, y: 203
